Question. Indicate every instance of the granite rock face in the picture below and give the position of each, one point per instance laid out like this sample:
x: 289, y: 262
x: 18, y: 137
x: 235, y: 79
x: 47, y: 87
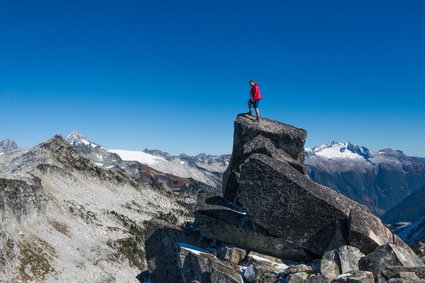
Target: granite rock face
x: 266, y: 178
x: 221, y: 220
x: 21, y: 199
x: 268, y: 137
x: 349, y: 258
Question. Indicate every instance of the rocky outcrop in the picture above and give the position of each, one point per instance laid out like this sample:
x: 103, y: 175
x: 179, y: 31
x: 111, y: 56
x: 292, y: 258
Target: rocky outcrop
x: 266, y: 178
x: 21, y: 200
x: 271, y: 138
x: 270, y: 207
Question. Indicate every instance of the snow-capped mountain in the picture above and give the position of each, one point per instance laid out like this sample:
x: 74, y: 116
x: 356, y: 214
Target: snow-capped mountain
x: 184, y: 173
x: 378, y: 179
x: 7, y: 145
x: 65, y: 219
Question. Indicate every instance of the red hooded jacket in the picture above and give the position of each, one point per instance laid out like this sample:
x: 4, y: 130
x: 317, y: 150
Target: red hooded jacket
x: 255, y: 92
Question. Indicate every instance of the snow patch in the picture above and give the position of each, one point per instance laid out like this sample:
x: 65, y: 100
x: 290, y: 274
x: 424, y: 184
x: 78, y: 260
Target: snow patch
x: 335, y: 151
x: 280, y: 266
x: 341, y: 276
x: 139, y: 156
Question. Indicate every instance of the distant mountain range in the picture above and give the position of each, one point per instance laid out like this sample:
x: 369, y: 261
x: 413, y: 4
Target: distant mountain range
x: 379, y: 179
x: 182, y: 173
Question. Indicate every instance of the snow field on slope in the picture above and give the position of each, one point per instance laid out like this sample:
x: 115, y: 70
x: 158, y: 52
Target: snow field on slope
x: 140, y: 156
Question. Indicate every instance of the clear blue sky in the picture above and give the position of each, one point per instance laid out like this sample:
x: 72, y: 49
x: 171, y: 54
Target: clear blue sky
x: 173, y: 74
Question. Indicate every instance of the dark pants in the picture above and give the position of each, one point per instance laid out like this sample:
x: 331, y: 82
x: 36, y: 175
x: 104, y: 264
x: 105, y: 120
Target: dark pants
x: 254, y: 103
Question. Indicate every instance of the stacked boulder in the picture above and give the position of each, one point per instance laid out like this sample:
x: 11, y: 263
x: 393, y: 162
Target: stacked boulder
x: 271, y: 207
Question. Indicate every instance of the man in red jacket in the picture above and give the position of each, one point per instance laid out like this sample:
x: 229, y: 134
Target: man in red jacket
x: 254, y: 99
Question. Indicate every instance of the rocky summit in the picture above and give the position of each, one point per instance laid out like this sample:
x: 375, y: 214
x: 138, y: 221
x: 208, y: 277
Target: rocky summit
x: 274, y: 224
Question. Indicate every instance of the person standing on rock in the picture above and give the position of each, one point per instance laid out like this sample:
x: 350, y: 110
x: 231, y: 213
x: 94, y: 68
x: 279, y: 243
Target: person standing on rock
x: 254, y: 99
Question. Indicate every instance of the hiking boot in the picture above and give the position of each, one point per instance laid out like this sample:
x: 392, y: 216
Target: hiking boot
x: 249, y: 113
x: 257, y: 119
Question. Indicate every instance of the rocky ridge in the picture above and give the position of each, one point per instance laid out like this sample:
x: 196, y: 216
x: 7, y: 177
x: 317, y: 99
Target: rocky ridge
x: 66, y: 219
x: 274, y: 223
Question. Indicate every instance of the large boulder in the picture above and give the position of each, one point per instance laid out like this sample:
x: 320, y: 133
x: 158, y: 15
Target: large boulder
x: 388, y: 255
x: 222, y: 220
x: 162, y: 251
x: 349, y: 258
x: 272, y: 138
x: 266, y: 178
x: 342, y: 260
x: 198, y: 265
x: 330, y: 265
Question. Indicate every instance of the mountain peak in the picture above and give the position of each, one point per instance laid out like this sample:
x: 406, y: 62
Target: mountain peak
x: 7, y: 145
x: 337, y: 150
x: 77, y: 140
